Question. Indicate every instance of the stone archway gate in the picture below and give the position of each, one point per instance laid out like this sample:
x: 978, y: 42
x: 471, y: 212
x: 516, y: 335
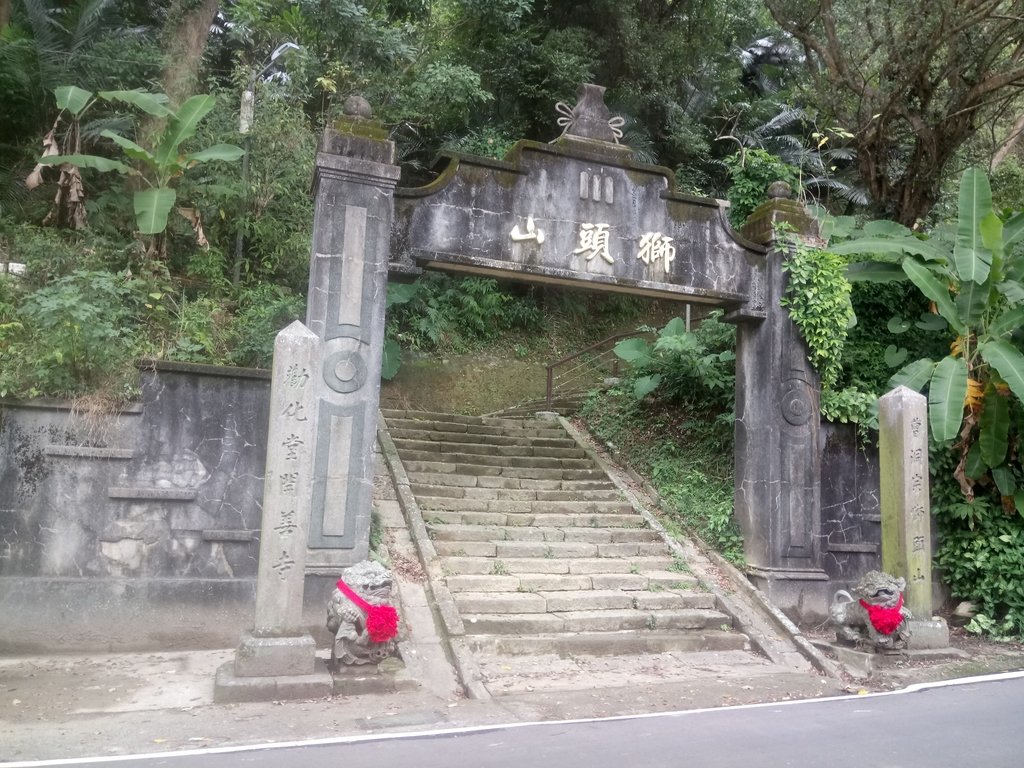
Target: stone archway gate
x: 578, y: 211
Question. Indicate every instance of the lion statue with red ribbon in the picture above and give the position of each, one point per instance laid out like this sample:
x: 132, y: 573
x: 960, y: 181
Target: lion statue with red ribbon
x: 361, y: 617
x: 874, y: 615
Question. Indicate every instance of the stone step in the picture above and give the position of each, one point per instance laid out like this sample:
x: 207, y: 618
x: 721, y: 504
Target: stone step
x: 468, y: 463
x: 652, y: 582
x: 456, y: 418
x: 613, y: 620
x: 475, y: 564
x: 428, y: 442
x: 549, y: 549
x: 506, y: 506
x: 513, y: 494
x: 589, y: 520
x: 467, y: 441
x: 621, y: 643
x: 502, y: 428
x: 442, y: 532
x: 582, y: 600
x: 550, y: 479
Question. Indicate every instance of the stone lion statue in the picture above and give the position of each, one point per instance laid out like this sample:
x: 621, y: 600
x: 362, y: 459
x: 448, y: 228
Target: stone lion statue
x: 353, y: 643
x: 874, y: 615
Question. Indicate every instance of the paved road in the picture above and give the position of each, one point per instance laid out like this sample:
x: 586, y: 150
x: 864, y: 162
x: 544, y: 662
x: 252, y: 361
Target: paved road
x: 978, y: 722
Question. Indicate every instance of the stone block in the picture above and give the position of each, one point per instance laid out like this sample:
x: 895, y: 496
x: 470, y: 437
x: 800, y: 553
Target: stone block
x: 589, y: 600
x: 274, y: 656
x: 468, y: 548
x: 229, y: 688
x: 513, y: 623
x: 554, y: 582
x: 928, y: 634
x: 498, y: 602
x: 485, y: 583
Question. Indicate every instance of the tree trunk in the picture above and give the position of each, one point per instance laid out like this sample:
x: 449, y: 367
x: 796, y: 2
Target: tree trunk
x: 1007, y: 146
x: 184, y: 42
x: 5, y: 13
x: 185, y: 36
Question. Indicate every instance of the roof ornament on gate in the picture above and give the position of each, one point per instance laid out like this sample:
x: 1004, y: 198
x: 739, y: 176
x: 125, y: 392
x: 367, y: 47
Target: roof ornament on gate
x: 590, y: 118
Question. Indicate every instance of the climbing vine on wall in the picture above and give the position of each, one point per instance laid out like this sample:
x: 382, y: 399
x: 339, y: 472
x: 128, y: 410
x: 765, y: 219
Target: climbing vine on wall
x: 818, y: 300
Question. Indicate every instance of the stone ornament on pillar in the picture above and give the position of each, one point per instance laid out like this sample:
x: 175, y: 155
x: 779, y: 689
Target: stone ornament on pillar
x: 363, y: 588
x: 874, y: 617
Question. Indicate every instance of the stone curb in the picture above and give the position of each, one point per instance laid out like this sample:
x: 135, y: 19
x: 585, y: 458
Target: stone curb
x: 453, y: 632
x: 754, y: 608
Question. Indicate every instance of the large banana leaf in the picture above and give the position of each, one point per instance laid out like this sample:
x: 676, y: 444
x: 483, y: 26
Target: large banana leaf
x: 182, y: 127
x: 1005, y: 481
x: 946, y: 395
x: 995, y: 427
x: 151, y: 103
x: 934, y: 289
x: 72, y: 98
x: 972, y: 301
x: 897, y: 246
x: 391, y: 360
x: 1009, y: 321
x: 913, y: 375
x: 1013, y: 229
x: 151, y: 209
x: 874, y: 272
x: 131, y: 149
x: 1008, y: 362
x: 1013, y: 290
x: 216, y: 152
x: 87, y: 161
x: 973, y: 260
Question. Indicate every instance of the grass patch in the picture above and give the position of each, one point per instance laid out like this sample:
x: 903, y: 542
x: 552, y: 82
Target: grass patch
x: 685, y: 452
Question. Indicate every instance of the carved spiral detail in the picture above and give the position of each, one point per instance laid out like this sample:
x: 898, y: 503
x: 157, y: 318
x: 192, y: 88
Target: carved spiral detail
x: 344, y: 371
x: 797, y: 406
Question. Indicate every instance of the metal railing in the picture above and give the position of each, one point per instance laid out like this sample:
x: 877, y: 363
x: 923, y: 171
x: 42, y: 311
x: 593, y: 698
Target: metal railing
x: 587, y: 366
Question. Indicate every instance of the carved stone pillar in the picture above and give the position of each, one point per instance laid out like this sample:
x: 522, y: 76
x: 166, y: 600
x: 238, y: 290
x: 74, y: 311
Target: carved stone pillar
x: 353, y: 183
x: 778, y: 465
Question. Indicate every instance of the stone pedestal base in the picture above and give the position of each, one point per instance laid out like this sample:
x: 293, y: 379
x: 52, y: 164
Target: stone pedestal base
x: 928, y: 634
x: 803, y: 595
x: 274, y: 656
x: 390, y: 676
x: 864, y: 664
x: 230, y: 688
x: 273, y: 668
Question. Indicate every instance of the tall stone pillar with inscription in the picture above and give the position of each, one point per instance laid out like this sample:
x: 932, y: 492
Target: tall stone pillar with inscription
x: 277, y: 659
x: 353, y: 183
x: 778, y: 465
x: 906, y: 513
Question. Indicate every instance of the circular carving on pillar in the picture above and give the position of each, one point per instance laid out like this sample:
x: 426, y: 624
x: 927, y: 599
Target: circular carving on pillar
x: 796, y: 403
x: 344, y: 371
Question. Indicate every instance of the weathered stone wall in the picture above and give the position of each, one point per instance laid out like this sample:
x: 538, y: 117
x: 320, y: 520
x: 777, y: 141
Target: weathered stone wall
x: 851, y: 518
x: 141, y: 530
x: 138, y: 530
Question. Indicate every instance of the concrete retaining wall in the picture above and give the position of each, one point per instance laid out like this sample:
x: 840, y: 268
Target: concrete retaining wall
x: 141, y: 530
x: 138, y: 530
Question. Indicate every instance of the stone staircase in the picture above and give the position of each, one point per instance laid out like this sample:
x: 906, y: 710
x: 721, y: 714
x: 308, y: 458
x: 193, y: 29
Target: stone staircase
x: 538, y: 548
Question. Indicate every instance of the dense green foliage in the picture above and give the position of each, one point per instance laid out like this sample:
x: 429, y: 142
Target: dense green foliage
x: 729, y: 96
x: 971, y: 279
x: 818, y: 300
x: 671, y: 419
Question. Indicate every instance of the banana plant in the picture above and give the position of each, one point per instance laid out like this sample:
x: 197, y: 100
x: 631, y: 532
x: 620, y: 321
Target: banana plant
x: 158, y: 166
x: 973, y: 276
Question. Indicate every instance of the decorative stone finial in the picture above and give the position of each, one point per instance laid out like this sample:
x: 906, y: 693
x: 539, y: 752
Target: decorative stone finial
x: 590, y: 118
x: 779, y: 190
x: 357, y: 106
